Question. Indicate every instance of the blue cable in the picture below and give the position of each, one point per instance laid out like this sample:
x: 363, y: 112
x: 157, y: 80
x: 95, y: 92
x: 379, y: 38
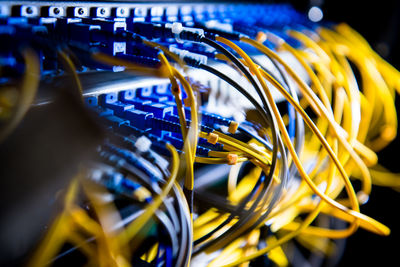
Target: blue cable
x: 159, y: 257
x: 292, y: 121
x: 168, y: 256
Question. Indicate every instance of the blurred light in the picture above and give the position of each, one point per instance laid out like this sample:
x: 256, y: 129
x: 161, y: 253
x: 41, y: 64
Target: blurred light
x: 315, y: 14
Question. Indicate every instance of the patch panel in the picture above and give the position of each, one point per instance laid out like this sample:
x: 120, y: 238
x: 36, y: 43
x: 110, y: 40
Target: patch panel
x: 84, y: 32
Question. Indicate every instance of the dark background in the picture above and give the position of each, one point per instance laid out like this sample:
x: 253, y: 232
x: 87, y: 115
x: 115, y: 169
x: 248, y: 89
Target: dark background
x: 379, y: 23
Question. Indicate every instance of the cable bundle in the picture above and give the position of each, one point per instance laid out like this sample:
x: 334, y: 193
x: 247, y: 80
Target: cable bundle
x: 174, y: 183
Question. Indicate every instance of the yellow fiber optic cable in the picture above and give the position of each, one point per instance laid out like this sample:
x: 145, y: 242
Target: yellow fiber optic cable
x: 375, y: 226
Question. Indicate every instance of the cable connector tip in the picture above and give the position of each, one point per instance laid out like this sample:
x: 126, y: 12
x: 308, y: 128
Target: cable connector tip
x: 232, y: 159
x: 233, y: 126
x: 212, y: 138
x: 143, y: 144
